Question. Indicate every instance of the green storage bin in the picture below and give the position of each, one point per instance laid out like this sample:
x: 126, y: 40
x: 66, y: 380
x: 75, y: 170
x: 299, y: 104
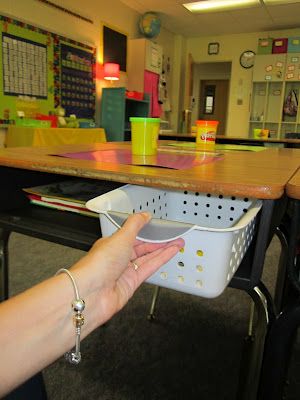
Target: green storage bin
x: 294, y: 44
x: 265, y: 46
x: 32, y: 123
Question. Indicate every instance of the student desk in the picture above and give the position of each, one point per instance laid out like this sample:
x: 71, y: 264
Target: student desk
x: 191, y: 137
x: 23, y: 136
x: 263, y: 175
x: 289, y: 143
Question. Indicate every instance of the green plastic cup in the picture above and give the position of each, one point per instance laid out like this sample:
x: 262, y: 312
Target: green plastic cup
x: 144, y: 135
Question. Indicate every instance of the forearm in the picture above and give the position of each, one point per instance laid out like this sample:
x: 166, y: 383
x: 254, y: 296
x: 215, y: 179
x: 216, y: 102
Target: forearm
x: 37, y: 326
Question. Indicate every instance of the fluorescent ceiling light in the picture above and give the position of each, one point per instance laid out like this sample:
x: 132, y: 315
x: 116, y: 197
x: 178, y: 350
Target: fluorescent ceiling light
x: 219, y: 5
x: 281, y: 2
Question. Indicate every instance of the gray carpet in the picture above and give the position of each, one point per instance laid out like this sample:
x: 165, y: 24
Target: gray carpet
x: 191, y: 351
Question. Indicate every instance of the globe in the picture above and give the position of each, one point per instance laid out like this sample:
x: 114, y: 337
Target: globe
x: 149, y: 25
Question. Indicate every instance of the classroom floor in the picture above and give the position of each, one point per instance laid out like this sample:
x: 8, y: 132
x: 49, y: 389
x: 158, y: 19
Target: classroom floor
x: 191, y: 351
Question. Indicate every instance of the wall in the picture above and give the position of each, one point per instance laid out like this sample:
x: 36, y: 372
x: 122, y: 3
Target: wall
x: 112, y: 13
x: 118, y: 16
x: 231, y: 47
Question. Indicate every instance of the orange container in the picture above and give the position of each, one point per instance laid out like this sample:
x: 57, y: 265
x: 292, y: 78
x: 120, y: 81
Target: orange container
x: 206, y: 135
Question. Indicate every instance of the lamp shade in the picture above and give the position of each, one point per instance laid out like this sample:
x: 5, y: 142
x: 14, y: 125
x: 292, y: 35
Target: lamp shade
x: 111, y: 71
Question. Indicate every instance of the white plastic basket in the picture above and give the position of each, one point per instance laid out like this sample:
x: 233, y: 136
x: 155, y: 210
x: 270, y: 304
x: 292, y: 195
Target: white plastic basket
x: 217, y: 231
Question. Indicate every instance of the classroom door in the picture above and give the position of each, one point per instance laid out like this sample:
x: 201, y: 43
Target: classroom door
x: 213, y: 102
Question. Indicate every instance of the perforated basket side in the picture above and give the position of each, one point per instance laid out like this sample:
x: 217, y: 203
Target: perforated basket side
x: 204, y: 210
x: 211, y: 256
x: 242, y: 241
x: 201, y: 267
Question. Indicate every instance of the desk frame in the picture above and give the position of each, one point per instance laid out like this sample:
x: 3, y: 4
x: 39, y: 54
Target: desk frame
x: 282, y: 331
x: 80, y: 232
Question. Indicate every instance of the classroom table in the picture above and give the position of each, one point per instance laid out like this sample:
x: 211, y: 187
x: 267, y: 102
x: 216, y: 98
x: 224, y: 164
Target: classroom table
x: 262, y: 175
x: 191, y: 137
x: 33, y: 136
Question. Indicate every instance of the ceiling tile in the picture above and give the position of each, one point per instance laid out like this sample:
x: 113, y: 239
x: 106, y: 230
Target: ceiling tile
x: 179, y: 20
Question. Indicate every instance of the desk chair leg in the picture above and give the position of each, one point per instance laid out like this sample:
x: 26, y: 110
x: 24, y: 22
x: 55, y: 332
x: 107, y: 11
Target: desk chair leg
x: 251, y: 319
x: 254, y: 344
x: 4, y: 236
x: 281, y: 274
x: 151, y: 314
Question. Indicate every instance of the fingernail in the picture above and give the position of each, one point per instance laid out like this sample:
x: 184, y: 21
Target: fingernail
x: 147, y: 216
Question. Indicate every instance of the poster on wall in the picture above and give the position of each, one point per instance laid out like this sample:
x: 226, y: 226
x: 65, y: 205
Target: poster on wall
x: 77, y: 81
x: 24, y: 67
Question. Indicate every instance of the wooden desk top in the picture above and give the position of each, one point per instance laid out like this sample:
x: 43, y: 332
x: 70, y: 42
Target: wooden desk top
x: 239, y: 173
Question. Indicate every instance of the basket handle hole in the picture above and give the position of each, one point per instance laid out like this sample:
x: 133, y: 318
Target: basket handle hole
x: 164, y: 275
x: 199, y: 283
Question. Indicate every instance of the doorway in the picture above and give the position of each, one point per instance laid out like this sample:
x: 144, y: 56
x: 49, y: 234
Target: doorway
x: 213, y: 102
x: 216, y: 74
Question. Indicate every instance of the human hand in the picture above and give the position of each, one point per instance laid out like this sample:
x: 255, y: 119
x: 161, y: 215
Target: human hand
x: 109, y: 263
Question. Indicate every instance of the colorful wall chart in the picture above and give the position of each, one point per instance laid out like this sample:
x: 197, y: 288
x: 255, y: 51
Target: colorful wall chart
x: 50, y: 69
x: 24, y: 67
x: 77, y: 84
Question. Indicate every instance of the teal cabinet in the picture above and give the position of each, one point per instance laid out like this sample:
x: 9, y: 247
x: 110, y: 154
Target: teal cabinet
x: 116, y: 109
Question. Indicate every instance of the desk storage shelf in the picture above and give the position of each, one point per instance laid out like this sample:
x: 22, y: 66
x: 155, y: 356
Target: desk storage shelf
x: 116, y: 109
x: 55, y: 226
x: 217, y: 231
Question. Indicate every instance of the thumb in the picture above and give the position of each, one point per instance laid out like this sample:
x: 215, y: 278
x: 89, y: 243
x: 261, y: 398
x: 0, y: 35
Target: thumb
x: 134, y: 224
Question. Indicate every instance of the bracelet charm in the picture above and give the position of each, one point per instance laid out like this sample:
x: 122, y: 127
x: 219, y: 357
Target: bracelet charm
x: 78, y: 305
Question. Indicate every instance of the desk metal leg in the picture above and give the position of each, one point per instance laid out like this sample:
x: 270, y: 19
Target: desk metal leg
x: 282, y: 331
x: 4, y: 236
x: 279, y: 343
x: 254, y: 345
x: 281, y: 275
x: 151, y: 314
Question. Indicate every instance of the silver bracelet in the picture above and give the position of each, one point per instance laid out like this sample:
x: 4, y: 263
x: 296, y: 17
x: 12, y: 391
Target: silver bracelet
x: 78, y: 305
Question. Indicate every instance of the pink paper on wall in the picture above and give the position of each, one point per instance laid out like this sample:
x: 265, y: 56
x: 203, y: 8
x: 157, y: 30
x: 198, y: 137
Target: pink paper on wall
x: 151, y: 86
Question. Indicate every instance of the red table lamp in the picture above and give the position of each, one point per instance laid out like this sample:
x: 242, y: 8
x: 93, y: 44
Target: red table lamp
x: 111, y: 71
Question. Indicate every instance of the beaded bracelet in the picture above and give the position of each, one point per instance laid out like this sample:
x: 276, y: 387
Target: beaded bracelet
x: 78, y: 305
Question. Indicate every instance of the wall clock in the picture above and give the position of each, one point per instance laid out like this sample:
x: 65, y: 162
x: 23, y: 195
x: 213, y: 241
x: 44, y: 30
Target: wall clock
x: 213, y: 48
x: 247, y: 59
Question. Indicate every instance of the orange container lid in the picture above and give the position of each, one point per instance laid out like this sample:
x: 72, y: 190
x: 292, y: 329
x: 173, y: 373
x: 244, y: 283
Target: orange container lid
x: 206, y: 122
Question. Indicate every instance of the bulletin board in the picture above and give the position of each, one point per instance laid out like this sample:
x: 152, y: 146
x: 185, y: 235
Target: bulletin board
x: 77, y: 83
x: 24, y: 67
x: 47, y: 69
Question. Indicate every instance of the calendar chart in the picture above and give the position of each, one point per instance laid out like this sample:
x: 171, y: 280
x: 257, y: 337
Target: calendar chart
x: 24, y: 67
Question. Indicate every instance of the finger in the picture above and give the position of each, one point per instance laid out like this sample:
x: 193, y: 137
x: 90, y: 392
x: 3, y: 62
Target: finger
x: 150, y: 263
x: 154, y: 255
x: 133, y: 225
x: 145, y: 247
